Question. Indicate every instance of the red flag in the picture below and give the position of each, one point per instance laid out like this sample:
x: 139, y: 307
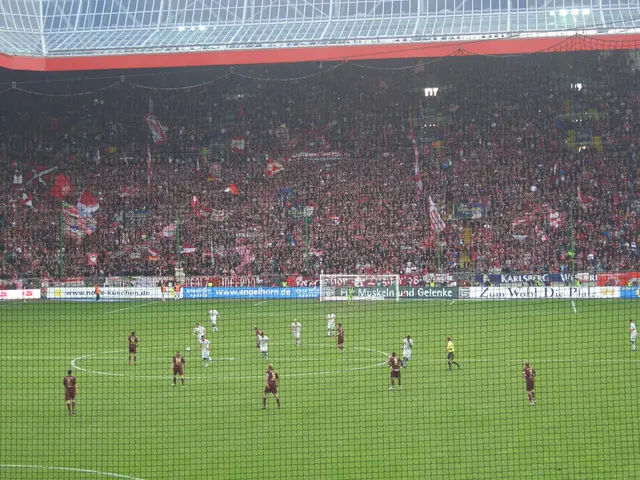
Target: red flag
x: 198, y: 209
x: 273, y: 167
x: 92, y: 258
x: 149, y: 170
x: 61, y: 187
x: 157, y: 129
x: 232, y: 189
x: 585, y: 201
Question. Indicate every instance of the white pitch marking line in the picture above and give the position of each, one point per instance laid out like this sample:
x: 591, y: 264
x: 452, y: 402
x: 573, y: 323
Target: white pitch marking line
x: 251, y: 377
x: 573, y: 304
x: 452, y: 302
x: 259, y: 303
x: 69, y: 469
x: 129, y: 308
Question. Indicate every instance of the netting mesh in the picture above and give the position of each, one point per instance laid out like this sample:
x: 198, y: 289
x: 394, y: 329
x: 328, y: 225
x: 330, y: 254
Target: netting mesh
x: 501, y: 192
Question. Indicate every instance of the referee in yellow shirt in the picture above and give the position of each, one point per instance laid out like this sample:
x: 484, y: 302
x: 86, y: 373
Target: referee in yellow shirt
x: 451, y: 353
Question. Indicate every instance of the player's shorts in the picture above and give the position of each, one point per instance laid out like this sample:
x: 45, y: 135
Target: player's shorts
x: 296, y: 336
x: 634, y: 336
x: 340, y: 340
x: 395, y: 374
x: 97, y: 296
x: 450, y: 356
x: 205, y: 356
x: 271, y: 389
x: 132, y: 349
x: 530, y: 386
x: 331, y: 326
x: 264, y: 349
x: 178, y: 371
x: 70, y: 394
x: 407, y: 355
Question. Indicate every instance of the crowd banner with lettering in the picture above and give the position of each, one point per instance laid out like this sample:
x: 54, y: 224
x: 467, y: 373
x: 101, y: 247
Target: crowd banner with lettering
x: 629, y: 292
x: 20, y: 294
x: 106, y: 293
x: 508, y: 278
x: 621, y: 279
x: 251, y: 292
x: 470, y: 211
x: 544, y: 293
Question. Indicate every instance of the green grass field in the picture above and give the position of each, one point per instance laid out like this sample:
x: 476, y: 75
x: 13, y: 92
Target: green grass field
x: 338, y: 418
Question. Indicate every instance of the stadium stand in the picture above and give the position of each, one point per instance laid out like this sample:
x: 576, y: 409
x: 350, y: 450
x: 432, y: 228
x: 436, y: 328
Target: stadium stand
x: 527, y: 144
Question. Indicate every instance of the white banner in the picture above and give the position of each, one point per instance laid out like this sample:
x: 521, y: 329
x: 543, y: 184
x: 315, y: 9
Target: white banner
x: 106, y: 293
x: 525, y: 293
x: 20, y: 294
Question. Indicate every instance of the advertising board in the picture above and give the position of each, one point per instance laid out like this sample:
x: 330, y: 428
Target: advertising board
x: 33, y: 294
x: 526, y: 293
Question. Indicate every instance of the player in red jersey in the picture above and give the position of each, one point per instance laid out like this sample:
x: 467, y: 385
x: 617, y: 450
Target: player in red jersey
x: 70, y: 392
x: 272, y: 383
x: 178, y: 367
x: 395, y: 363
x: 132, y: 341
x: 529, y: 375
x: 259, y: 333
x: 340, y: 333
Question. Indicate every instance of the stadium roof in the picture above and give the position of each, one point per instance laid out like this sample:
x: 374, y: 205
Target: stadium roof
x: 72, y: 28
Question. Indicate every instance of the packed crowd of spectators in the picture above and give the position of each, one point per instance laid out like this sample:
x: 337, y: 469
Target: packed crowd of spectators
x: 545, y: 145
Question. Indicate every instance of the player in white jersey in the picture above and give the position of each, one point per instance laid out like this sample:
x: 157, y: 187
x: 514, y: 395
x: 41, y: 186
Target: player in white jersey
x: 407, y: 345
x: 213, y: 315
x: 263, y: 342
x: 296, y: 328
x: 205, y: 350
x: 199, y: 331
x: 331, y: 324
x: 633, y: 334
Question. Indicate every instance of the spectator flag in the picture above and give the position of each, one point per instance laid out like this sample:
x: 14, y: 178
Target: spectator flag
x: 27, y: 200
x: 149, y: 170
x: 416, y: 162
x: 169, y: 231
x: 585, y: 201
x: 237, y: 144
x: 232, y: 189
x: 188, y: 249
x: 198, y: 209
x: 40, y: 174
x: 157, y: 130
x: 273, y: 167
x: 246, y: 257
x: 555, y: 219
x: 87, y: 203
x: 98, y: 159
x: 540, y: 234
x: 436, y: 219
x: 61, y: 187
x: 92, y: 259
x: 218, y: 215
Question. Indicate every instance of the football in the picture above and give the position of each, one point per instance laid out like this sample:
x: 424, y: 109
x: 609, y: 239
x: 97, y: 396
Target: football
x: 188, y: 349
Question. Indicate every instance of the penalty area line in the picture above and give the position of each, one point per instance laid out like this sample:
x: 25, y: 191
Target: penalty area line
x: 129, y: 308
x: 573, y: 304
x: 70, y: 469
x: 453, y: 302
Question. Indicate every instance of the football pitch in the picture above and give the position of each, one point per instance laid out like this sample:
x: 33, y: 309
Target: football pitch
x: 338, y: 420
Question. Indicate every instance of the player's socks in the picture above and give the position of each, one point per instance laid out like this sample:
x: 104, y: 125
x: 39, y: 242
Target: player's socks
x: 278, y: 402
x: 264, y: 403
